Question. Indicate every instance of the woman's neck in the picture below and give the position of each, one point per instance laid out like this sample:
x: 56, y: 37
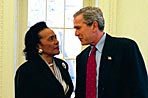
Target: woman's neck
x: 48, y: 59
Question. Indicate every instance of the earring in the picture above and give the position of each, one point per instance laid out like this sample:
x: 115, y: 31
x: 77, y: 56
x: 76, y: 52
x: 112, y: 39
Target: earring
x: 40, y: 51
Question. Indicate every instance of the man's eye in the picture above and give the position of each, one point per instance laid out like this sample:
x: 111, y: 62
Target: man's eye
x: 78, y: 28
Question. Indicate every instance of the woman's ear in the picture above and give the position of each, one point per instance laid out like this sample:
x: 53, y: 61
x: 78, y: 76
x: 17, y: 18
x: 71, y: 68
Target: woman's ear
x: 38, y: 46
x: 40, y: 50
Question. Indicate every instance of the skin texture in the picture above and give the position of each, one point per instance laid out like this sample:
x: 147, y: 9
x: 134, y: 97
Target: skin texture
x: 87, y: 34
x: 49, y: 44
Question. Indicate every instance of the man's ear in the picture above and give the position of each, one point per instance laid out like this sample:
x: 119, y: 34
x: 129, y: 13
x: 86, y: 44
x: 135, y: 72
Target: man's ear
x: 95, y: 26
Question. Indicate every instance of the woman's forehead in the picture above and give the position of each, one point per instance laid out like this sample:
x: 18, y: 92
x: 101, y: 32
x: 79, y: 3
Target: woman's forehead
x: 46, y: 32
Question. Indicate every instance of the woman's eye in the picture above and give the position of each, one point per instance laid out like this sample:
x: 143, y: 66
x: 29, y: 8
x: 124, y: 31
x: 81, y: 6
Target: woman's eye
x: 51, y: 38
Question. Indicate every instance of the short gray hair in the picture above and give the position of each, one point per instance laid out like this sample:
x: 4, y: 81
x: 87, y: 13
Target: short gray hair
x: 91, y: 14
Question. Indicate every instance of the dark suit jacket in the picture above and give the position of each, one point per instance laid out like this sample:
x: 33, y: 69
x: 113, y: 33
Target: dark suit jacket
x: 122, y: 76
x: 34, y: 79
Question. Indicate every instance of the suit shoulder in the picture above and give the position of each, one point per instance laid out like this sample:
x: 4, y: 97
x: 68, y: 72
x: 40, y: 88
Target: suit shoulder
x: 26, y: 64
x: 84, y: 52
x: 123, y: 41
x: 25, y: 68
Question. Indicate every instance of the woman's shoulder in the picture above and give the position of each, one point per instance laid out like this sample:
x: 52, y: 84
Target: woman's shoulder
x: 25, y: 67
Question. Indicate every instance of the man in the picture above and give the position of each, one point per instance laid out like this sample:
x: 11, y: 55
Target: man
x: 120, y: 69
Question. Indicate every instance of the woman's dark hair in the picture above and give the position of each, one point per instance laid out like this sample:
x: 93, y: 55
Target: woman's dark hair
x: 32, y: 39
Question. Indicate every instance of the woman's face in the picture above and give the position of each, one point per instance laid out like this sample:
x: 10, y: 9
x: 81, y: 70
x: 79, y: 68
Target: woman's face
x: 48, y: 42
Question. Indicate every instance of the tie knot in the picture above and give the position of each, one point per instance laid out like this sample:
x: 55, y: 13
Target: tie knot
x: 93, y: 50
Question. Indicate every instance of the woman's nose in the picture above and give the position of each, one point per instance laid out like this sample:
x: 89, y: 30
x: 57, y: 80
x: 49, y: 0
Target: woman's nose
x: 56, y: 41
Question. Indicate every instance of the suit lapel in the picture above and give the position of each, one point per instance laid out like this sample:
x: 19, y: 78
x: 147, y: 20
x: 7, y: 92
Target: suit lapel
x: 84, y: 56
x: 106, y: 59
x: 45, y: 70
x: 59, y: 65
x: 63, y: 69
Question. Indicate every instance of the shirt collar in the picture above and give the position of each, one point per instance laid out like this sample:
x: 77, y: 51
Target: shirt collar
x: 100, y: 44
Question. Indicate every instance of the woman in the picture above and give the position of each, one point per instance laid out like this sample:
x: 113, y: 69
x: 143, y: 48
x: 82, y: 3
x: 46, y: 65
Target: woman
x: 42, y: 75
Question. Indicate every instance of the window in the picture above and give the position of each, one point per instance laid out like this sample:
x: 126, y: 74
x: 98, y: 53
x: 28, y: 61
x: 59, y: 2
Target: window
x: 58, y: 15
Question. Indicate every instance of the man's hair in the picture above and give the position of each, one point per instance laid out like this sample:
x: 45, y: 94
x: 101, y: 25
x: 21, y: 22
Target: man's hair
x: 91, y: 14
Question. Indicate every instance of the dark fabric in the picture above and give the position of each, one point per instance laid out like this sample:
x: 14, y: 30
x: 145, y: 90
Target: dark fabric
x: 34, y: 79
x: 122, y: 72
x: 91, y: 75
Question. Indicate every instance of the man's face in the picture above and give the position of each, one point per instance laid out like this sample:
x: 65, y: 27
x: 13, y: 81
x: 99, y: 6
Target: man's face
x: 82, y: 30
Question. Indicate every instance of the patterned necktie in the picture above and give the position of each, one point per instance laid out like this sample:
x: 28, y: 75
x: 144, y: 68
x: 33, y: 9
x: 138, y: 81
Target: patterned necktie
x: 91, y: 75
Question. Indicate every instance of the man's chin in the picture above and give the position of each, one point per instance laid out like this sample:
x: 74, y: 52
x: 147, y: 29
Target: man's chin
x: 84, y: 43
